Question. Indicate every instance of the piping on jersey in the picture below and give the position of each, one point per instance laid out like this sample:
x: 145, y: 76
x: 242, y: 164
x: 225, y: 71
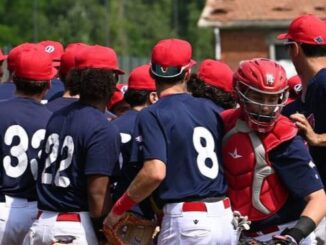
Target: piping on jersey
x: 262, y: 169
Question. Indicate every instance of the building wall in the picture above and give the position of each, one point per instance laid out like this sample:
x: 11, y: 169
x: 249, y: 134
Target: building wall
x: 237, y: 45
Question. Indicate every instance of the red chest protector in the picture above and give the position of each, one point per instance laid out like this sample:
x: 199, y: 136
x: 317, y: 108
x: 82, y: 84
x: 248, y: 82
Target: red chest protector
x: 254, y: 188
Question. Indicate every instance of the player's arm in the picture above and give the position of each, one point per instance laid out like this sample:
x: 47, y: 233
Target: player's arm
x: 312, y: 138
x: 146, y: 181
x: 310, y: 217
x: 99, y: 201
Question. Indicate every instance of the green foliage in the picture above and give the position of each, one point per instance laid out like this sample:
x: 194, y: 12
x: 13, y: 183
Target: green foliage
x: 131, y: 27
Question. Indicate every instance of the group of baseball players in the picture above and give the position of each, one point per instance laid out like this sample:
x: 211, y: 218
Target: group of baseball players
x: 207, y: 156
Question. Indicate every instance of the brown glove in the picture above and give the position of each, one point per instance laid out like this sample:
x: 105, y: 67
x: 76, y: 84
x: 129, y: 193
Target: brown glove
x: 130, y: 229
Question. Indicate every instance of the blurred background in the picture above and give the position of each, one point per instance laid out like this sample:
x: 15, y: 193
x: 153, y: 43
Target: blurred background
x: 230, y: 30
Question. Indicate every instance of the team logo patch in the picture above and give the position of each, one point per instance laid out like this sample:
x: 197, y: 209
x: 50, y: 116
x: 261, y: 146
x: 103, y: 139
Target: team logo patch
x: 235, y: 154
x: 49, y: 49
x: 319, y: 40
x: 270, y: 79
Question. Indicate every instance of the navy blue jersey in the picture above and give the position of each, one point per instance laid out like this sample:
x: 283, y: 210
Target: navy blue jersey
x: 297, y: 106
x: 56, y: 90
x: 185, y: 133
x: 315, y: 101
x: 79, y: 142
x: 293, y: 164
x: 22, y: 129
x: 129, y: 170
x: 110, y: 116
x: 58, y: 103
x: 211, y: 104
x: 7, y: 90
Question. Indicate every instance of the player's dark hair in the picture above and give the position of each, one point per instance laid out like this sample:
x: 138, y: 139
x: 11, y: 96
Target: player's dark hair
x: 137, y: 97
x: 30, y: 87
x: 72, y: 81
x: 199, y: 88
x: 168, y: 80
x: 97, y: 85
x: 313, y: 50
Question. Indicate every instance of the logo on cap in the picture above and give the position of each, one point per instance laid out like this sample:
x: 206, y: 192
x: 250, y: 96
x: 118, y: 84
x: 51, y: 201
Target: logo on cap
x: 164, y: 69
x: 124, y: 89
x: 49, y: 49
x: 319, y: 40
x: 270, y: 79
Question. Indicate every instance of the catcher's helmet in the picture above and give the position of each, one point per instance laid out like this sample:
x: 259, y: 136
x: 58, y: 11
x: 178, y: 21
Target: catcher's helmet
x: 264, y: 78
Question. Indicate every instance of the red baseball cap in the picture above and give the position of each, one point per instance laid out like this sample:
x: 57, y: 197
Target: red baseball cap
x: 68, y: 59
x: 118, y: 95
x: 54, y: 49
x: 2, y: 56
x: 295, y: 84
x: 140, y: 79
x: 216, y: 73
x: 98, y: 57
x: 307, y: 29
x: 170, y: 57
x: 35, y: 65
x: 12, y: 56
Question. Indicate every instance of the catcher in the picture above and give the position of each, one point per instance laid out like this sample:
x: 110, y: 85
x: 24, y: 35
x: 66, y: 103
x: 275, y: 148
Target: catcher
x: 270, y: 173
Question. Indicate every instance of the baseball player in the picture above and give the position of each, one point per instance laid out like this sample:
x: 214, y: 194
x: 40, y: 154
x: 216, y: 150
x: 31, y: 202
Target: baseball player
x: 7, y: 89
x: 306, y: 41
x: 22, y: 129
x: 68, y: 77
x: 213, y: 81
x: 141, y: 93
x: 271, y: 176
x: 81, y: 151
x: 55, y: 50
x: 179, y: 140
x: 117, y: 104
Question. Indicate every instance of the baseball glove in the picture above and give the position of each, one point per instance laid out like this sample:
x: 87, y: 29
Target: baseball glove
x: 276, y: 240
x: 250, y: 241
x: 130, y: 229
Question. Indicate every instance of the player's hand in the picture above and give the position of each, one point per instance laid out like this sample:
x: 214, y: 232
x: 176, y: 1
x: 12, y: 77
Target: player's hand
x: 282, y: 240
x: 302, y: 123
x: 111, y: 219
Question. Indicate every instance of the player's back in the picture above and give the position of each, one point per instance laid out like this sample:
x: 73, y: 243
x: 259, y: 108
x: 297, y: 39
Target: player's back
x: 76, y: 142
x: 192, y: 131
x: 59, y: 103
x: 22, y: 129
x: 7, y: 90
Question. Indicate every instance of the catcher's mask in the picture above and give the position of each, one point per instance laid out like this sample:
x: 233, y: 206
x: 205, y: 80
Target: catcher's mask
x: 262, y: 91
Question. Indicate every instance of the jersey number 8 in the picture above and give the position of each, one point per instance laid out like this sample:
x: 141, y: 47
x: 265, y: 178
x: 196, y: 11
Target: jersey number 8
x: 205, y: 151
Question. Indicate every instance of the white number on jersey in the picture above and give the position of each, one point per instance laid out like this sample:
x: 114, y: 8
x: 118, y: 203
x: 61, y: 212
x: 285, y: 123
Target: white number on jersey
x: 19, y: 151
x: 52, y: 149
x: 125, y: 138
x: 205, y: 151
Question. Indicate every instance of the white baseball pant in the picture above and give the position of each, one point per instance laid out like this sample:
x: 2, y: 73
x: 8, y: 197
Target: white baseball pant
x: 16, y: 217
x: 199, y: 223
x: 49, y: 225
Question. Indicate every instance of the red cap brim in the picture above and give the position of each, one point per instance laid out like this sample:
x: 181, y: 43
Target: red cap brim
x: 121, y: 72
x: 283, y: 36
x: 3, y: 57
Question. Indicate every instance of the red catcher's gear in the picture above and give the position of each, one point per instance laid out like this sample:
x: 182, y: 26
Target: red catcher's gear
x: 255, y: 189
